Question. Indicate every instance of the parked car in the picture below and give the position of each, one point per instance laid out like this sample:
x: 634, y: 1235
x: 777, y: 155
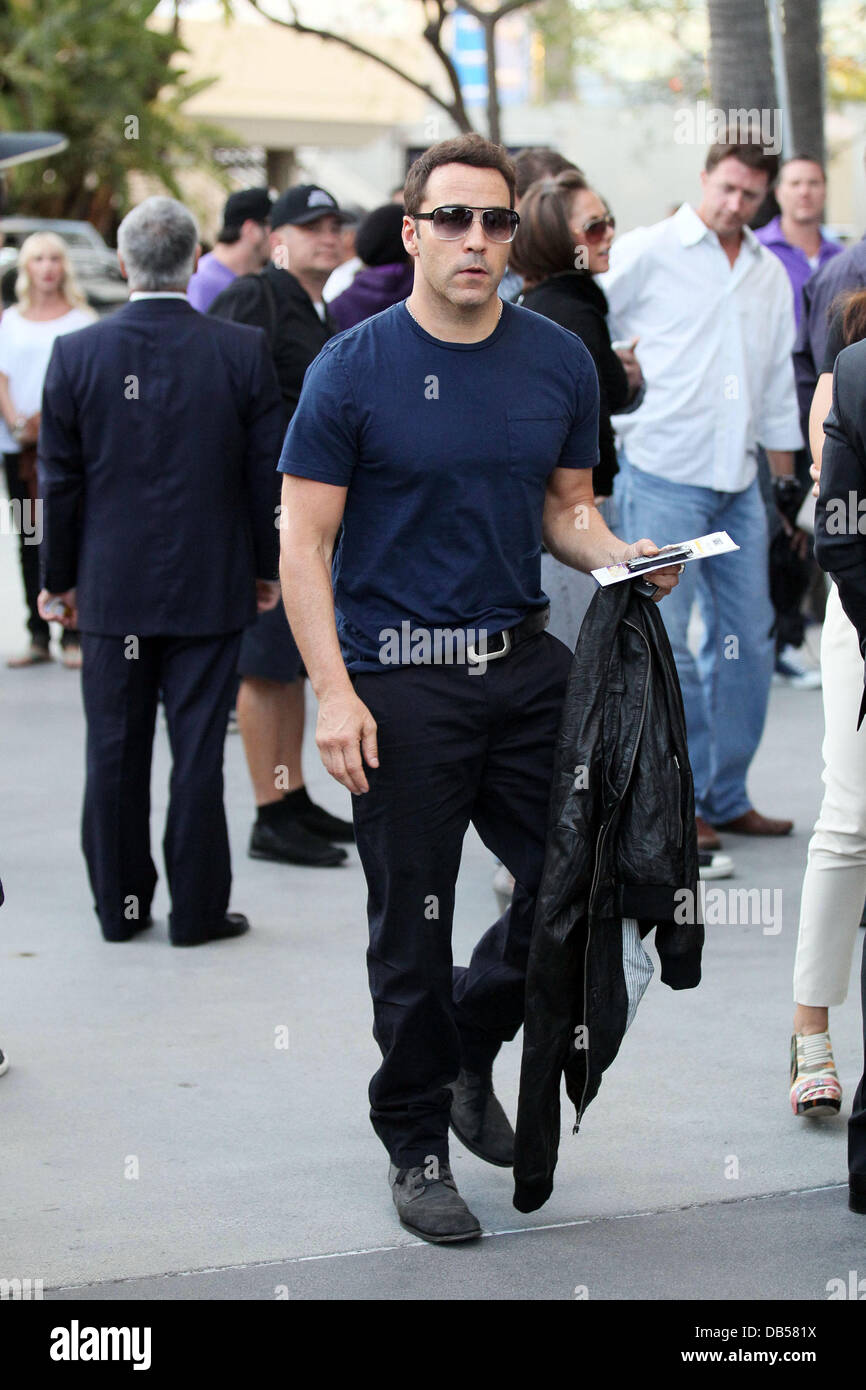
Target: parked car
x: 95, y: 264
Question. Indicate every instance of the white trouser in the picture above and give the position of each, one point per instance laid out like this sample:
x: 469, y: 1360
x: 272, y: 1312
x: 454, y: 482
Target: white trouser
x: 834, y: 884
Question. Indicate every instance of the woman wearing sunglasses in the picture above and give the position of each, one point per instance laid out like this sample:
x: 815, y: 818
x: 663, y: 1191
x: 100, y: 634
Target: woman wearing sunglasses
x: 562, y: 243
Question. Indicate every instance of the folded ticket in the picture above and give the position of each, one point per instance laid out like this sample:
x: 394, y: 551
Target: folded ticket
x: 718, y: 543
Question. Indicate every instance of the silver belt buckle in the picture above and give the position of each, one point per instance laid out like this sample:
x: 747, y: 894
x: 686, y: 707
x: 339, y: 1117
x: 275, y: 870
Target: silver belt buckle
x: 473, y: 656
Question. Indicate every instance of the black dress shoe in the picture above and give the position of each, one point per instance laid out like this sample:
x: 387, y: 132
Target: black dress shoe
x: 431, y: 1207
x: 479, y: 1121
x: 132, y: 931
x: 289, y: 842
x: 233, y: 924
x: 316, y: 819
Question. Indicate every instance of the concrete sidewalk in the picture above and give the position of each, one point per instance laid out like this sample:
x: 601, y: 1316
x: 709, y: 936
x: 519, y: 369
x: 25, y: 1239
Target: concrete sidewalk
x: 154, y: 1127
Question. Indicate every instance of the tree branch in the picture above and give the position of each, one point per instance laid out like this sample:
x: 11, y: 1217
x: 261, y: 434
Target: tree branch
x: 454, y: 108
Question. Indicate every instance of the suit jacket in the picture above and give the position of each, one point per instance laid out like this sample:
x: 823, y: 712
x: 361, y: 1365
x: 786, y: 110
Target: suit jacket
x: 161, y: 430
x: 840, y: 529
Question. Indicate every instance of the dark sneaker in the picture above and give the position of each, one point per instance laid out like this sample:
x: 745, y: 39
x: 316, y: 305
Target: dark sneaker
x: 289, y: 842
x: 857, y: 1193
x: 128, y: 933
x: 316, y: 819
x: 233, y: 924
x: 4, y: 1062
x: 431, y: 1207
x: 479, y: 1121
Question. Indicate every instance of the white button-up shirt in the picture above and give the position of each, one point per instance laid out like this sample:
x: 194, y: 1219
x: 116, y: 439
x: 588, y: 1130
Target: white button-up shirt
x: 715, y: 348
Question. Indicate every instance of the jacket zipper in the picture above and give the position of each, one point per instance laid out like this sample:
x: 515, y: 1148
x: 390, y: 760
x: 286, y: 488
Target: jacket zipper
x: 679, y: 804
x: 598, y: 853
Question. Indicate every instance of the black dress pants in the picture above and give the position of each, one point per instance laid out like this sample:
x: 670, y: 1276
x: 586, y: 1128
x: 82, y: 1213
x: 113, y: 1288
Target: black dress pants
x: 455, y: 745
x: 121, y: 685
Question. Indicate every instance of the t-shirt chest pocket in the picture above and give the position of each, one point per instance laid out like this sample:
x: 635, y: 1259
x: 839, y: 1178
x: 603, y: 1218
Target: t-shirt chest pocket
x: 535, y: 441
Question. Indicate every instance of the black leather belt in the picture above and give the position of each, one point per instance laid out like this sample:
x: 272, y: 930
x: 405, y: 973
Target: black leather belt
x: 509, y: 637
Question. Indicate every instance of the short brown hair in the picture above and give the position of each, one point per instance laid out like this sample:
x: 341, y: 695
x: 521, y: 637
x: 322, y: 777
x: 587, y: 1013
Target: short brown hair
x: 463, y: 149
x: 538, y: 162
x: 544, y: 244
x: 750, y: 153
x: 852, y: 304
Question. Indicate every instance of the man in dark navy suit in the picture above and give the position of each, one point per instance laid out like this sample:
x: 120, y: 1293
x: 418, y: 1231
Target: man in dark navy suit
x: 159, y: 439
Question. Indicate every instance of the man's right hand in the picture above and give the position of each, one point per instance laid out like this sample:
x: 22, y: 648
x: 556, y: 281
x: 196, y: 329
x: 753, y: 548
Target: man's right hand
x: 346, y: 730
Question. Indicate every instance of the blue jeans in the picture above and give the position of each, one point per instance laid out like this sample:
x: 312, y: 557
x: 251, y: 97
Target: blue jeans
x: 726, y: 689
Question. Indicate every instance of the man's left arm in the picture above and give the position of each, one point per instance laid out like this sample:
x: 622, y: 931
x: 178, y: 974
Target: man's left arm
x: 576, y: 533
x: 778, y: 415
x: 61, y: 488
x: 574, y: 530
x: 778, y: 412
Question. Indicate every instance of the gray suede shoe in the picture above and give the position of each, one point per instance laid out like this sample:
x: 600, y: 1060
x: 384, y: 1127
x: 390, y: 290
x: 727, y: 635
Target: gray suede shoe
x: 431, y: 1207
x: 479, y: 1121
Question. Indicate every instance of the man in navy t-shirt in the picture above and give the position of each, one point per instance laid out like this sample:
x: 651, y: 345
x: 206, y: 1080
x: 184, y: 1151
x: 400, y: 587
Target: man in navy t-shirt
x: 443, y: 440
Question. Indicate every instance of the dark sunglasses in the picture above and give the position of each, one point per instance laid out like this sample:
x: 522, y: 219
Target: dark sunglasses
x: 451, y: 223
x: 595, y: 229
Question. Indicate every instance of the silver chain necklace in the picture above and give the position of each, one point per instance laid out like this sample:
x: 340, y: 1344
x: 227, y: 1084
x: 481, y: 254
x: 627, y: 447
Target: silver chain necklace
x: 498, y: 316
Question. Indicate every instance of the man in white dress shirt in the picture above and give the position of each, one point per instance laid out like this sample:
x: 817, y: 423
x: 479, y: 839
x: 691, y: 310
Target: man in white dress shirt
x: 714, y: 313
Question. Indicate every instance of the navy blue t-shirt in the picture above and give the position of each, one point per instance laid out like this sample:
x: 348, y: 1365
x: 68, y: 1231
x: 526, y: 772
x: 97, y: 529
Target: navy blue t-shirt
x: 445, y: 449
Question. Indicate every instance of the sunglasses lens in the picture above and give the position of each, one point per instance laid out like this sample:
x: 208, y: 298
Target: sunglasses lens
x: 594, y: 231
x: 451, y: 223
x: 498, y: 223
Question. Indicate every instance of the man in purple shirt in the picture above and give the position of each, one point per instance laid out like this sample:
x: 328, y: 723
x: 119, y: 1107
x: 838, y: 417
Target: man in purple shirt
x: 795, y: 236
x: 242, y: 247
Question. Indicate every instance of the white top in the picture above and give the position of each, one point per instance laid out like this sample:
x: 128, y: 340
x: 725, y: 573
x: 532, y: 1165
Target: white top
x: 25, y: 348
x: 715, y: 348
x: 158, y: 294
x: 341, y: 278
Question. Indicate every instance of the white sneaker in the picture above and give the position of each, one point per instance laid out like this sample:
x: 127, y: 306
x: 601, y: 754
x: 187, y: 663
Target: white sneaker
x: 712, y: 864
x: 791, y: 671
x: 4, y: 1062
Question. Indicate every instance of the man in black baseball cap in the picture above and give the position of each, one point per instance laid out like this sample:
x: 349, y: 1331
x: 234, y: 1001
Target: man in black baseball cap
x: 286, y: 301
x: 242, y: 246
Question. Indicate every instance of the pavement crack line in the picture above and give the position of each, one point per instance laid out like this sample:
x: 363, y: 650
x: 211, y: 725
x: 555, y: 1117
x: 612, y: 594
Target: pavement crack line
x: 485, y: 1235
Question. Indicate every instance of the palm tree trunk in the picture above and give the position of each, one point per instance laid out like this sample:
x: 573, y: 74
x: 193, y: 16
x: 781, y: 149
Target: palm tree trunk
x: 741, y: 65
x: 804, y: 63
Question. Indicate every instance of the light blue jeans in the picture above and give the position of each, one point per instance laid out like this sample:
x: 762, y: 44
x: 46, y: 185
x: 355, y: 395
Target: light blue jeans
x: 727, y: 687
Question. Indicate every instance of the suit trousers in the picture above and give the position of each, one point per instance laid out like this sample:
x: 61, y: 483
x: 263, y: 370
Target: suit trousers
x: 122, y: 681
x: 456, y: 744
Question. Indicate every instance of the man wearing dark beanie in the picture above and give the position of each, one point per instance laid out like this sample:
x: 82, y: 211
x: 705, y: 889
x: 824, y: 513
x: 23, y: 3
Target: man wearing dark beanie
x: 242, y: 247
x: 387, y: 275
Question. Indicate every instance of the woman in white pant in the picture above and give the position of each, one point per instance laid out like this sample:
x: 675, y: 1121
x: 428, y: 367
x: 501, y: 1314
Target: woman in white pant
x: 834, y: 884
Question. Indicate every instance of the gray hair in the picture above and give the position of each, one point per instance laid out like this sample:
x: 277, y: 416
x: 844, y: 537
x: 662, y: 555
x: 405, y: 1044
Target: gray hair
x: 157, y: 241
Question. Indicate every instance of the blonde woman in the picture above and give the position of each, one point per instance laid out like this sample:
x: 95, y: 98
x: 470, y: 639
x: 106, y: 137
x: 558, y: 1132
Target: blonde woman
x: 48, y: 302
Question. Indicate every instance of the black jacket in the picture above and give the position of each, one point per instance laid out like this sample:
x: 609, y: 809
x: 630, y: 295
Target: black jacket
x: 621, y: 843
x: 275, y: 301
x: 840, y: 512
x: 574, y: 300
x: 160, y: 434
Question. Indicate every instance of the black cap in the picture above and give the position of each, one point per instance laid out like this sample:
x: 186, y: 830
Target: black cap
x: 248, y: 204
x: 306, y: 203
x: 379, y: 240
